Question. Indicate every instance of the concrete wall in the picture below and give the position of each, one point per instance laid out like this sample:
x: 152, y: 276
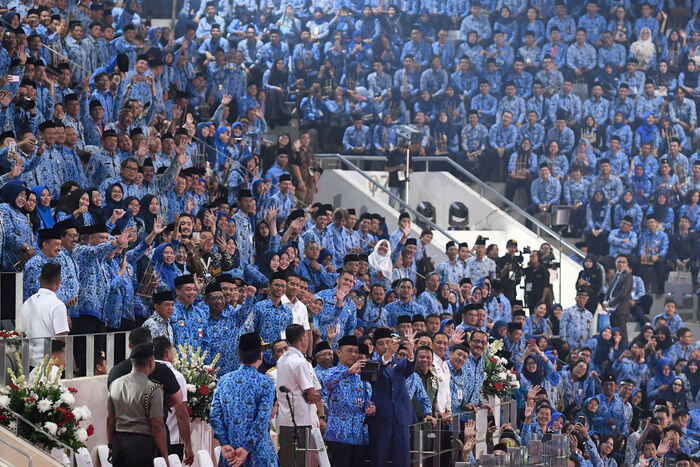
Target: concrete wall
x: 350, y: 189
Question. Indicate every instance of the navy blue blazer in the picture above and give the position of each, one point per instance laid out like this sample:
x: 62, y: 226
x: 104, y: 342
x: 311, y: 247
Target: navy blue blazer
x: 390, y: 394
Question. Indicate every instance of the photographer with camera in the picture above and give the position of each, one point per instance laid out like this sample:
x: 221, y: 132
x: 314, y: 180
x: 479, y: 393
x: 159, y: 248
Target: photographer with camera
x: 509, y: 268
x: 536, y: 281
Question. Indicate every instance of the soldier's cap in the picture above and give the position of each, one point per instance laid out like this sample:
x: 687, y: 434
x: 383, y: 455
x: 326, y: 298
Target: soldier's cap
x: 472, y: 306
x: 296, y: 214
x: 514, y: 327
x: 49, y: 234
x: 95, y: 229
x: 64, y: 225
x: 244, y: 193
x: 163, y: 296
x: 382, y: 333
x: 418, y: 319
x: 608, y: 378
x: 226, y: 277
x: 321, y: 346
x: 348, y: 340
x: 512, y: 242
x: 184, y: 279
x: 212, y: 287
x: 142, y: 351
x: 403, y: 319
x: 411, y: 241
x: 252, y: 341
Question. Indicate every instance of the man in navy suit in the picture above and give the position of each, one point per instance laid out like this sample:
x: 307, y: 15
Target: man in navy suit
x: 388, y: 429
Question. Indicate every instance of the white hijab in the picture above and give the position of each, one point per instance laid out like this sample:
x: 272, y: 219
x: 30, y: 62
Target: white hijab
x: 643, y: 50
x: 382, y: 263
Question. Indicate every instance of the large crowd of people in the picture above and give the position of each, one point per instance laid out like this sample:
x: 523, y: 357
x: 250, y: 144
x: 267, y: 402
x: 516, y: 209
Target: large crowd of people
x: 138, y: 160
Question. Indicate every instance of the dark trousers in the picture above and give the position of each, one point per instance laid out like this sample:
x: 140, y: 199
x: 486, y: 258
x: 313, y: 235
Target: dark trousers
x: 86, y: 325
x: 655, y: 273
x: 515, y: 184
x: 598, y: 244
x: 577, y: 217
x: 286, y: 440
x: 494, y: 167
x: 129, y: 450
x: 389, y: 442
x: 347, y: 455
x: 620, y: 320
x: 276, y: 108
x: 640, y: 310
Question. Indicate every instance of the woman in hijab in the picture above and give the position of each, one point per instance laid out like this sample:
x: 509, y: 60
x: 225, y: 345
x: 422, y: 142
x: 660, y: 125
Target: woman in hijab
x: 602, y: 354
x: 394, y: 104
x: 589, y: 410
x: 644, y: 336
x: 661, y: 381
x: 115, y: 200
x: 443, y: 297
x: 43, y: 207
x: 498, y: 331
x: 425, y: 104
x: 268, y: 263
x: 536, y: 372
x: 662, y: 336
x: 665, y: 79
x: 618, y: 345
x: 554, y: 318
x: 276, y: 84
x: 688, y: 79
x: 640, y: 186
x: 576, y: 385
x: 75, y: 207
x: 205, y: 142
x: 95, y: 206
x: 381, y: 268
x: 591, y: 276
x: 644, y: 50
x: 674, y: 52
x: 628, y: 207
x: 691, y: 376
x: 223, y: 148
x: 591, y: 133
x: 164, y: 266
x: 19, y: 237
x: 444, y: 137
x: 148, y: 211
x: 598, y: 223
x: 647, y: 132
x: 661, y: 211
x: 676, y: 395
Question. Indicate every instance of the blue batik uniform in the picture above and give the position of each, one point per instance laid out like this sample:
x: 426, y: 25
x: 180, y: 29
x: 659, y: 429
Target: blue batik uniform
x: 159, y: 326
x: 398, y: 308
x: 94, y: 278
x: 477, y: 270
x: 543, y: 192
x: 188, y: 324
x: 474, y: 373
x: 628, y: 369
x: 318, y: 280
x: 575, y: 392
x: 449, y: 272
x: 244, y: 237
x: 656, y: 243
x: 614, y: 55
x: 240, y: 415
x: 417, y: 393
x: 353, y: 138
x: 429, y: 301
x: 458, y: 388
x: 621, y: 242
x: 674, y: 323
x: 374, y: 316
x: 610, y: 410
x: 598, y: 108
x: 575, y: 326
x: 339, y: 239
x: 331, y: 315
x: 120, y: 299
x: 218, y: 332
x: 101, y: 166
x: 348, y: 398
x: 516, y: 349
x: 269, y: 321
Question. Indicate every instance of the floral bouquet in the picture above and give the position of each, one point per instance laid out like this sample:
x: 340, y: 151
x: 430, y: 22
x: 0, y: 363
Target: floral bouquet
x: 200, y: 377
x: 11, y: 337
x: 498, y: 380
x: 47, y: 404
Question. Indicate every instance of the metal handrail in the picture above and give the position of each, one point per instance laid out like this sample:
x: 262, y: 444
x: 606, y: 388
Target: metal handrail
x: 472, y: 177
x: 22, y: 345
x: 18, y: 417
x: 403, y: 204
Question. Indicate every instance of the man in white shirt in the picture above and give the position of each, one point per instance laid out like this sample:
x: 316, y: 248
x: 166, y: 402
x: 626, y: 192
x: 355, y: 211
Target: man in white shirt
x: 442, y: 371
x: 163, y: 352
x: 43, y: 314
x: 300, y: 314
x: 294, y: 381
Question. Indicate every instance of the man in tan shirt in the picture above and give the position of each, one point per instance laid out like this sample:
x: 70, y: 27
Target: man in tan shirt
x: 135, y: 427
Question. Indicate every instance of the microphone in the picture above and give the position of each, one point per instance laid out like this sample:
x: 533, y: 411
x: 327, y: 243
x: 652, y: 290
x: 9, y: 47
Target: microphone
x: 284, y: 389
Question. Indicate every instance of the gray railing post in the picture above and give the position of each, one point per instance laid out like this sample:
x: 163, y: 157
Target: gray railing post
x: 110, y: 351
x: 90, y: 355
x: 68, y: 369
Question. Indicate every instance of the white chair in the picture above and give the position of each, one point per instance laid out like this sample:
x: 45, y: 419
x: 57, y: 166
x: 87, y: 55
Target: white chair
x: 174, y: 461
x: 204, y: 458
x: 103, y: 455
x: 217, y: 453
x: 159, y: 462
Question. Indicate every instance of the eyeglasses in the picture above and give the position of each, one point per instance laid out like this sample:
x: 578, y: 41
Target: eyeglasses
x: 217, y: 299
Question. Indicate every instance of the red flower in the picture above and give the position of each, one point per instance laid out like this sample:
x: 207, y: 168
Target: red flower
x: 498, y: 386
x: 13, y: 387
x: 90, y: 430
x: 67, y: 414
x: 204, y: 390
x: 189, y: 410
x: 31, y: 399
x: 73, y: 390
x: 493, y: 360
